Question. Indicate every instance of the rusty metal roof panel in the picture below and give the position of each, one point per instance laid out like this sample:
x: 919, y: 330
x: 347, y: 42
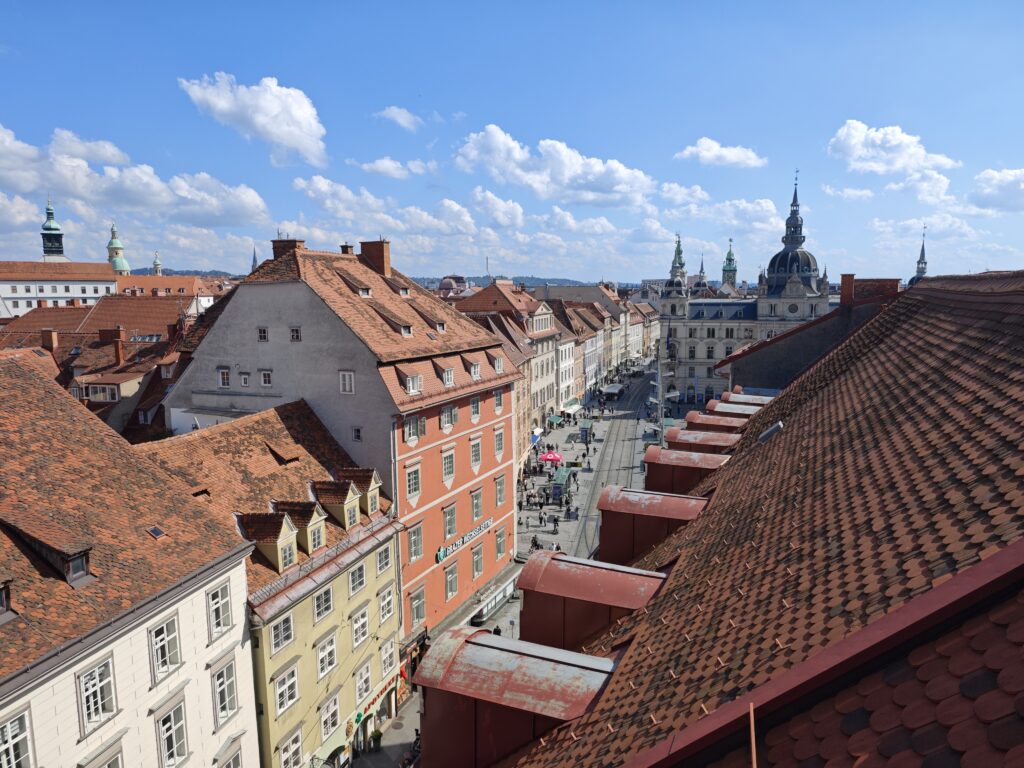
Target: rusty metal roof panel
x: 658, y: 455
x: 615, y: 498
x: 739, y: 399
x: 525, y: 676
x: 696, y: 418
x: 728, y: 409
x: 555, y: 573
x: 718, y: 439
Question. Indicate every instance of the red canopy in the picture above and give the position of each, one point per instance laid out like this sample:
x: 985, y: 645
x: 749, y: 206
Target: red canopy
x: 551, y: 456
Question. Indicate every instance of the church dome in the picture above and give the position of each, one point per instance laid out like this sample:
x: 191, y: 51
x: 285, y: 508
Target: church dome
x: 120, y: 265
x: 50, y: 225
x: 793, y: 259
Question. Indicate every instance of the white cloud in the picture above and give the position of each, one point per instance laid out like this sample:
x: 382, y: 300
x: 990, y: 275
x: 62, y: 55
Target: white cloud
x: 931, y: 187
x: 422, y: 167
x: 941, y: 226
x: 709, y: 152
x: 386, y: 166
x: 883, y: 150
x: 66, y: 171
x: 395, y: 169
x: 17, y: 212
x: 847, y: 193
x: 401, y: 117
x: 64, y: 142
x: 1000, y: 190
x: 502, y: 213
x: 282, y: 116
x: 556, y: 172
x: 737, y: 215
x: 564, y: 220
x: 677, y: 194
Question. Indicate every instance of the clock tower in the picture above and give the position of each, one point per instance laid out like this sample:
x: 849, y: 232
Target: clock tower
x: 53, y: 237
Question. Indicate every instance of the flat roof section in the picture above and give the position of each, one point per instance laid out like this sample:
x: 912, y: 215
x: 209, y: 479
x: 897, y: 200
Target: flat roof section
x: 658, y: 455
x: 728, y: 409
x: 740, y: 399
x: 555, y: 573
x: 697, y: 419
x: 717, y: 439
x: 525, y: 676
x: 675, y: 506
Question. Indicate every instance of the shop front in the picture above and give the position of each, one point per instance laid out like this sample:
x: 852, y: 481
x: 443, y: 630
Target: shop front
x: 373, y: 715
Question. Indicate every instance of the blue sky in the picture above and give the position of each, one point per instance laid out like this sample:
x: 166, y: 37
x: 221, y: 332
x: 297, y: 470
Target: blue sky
x: 569, y: 139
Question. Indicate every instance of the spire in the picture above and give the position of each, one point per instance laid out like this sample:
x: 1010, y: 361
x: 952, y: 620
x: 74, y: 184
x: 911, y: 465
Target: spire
x: 115, y: 253
x: 678, y: 263
x: 255, y: 263
x: 794, y: 237
x: 729, y: 267
x: 922, y: 262
x: 158, y: 268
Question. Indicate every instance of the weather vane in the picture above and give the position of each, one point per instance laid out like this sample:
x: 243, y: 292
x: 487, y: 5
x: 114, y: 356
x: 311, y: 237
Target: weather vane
x: 796, y: 177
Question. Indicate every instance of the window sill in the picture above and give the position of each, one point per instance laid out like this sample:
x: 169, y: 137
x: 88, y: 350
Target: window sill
x: 220, y: 726
x: 98, y: 727
x: 166, y: 675
x: 220, y: 636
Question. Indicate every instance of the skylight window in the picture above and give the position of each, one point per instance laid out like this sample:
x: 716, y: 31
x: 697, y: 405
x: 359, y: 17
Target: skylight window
x: 156, y: 532
x: 406, y: 330
x: 364, y: 291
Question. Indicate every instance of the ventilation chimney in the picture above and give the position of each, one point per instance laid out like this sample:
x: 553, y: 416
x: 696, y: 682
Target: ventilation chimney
x: 285, y: 247
x: 113, y: 334
x: 846, y: 291
x: 347, y: 249
x: 119, y: 352
x: 48, y: 339
x: 377, y: 256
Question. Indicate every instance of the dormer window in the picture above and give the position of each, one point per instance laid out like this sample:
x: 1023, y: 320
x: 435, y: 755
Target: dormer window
x: 413, y: 384
x: 475, y: 371
x: 441, y: 327
x: 406, y: 330
x: 287, y: 555
x: 403, y: 291
x: 351, y: 516
x: 373, y: 502
x: 365, y: 292
x: 499, y: 365
x: 316, y: 537
x: 449, y: 377
x: 5, y: 599
x: 77, y: 568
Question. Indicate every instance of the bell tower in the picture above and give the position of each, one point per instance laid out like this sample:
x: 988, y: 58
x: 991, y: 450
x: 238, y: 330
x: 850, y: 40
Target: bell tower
x: 53, y: 237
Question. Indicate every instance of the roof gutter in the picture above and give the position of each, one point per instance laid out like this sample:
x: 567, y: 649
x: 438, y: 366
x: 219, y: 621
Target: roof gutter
x: 954, y: 596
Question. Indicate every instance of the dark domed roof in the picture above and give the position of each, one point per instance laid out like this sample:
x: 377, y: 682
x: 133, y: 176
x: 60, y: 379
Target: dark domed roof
x: 793, y: 259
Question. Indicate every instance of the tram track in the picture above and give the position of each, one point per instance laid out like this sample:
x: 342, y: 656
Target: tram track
x: 617, y: 464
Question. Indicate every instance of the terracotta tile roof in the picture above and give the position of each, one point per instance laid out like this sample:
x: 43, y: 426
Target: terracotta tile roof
x: 139, y: 315
x: 362, y: 477
x: 243, y: 465
x: 331, y: 491
x: 176, y: 285
x: 300, y: 512
x: 56, y: 271
x: 320, y: 271
x: 261, y: 527
x: 66, y: 467
x: 40, y: 358
x: 954, y: 700
x: 900, y: 465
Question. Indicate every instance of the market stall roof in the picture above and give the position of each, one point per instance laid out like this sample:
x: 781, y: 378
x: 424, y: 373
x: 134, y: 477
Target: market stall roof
x: 561, y: 476
x: 556, y: 420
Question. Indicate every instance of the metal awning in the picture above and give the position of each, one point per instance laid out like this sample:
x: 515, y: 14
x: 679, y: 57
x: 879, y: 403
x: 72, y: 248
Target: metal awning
x: 571, y: 406
x: 556, y: 420
x: 561, y: 476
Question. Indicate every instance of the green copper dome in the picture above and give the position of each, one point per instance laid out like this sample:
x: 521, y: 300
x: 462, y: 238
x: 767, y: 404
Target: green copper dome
x: 50, y: 225
x: 120, y: 264
x: 114, y: 242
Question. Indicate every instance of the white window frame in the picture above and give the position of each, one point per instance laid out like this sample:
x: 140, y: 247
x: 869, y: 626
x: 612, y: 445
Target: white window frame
x: 23, y: 740
x: 172, y: 641
x: 96, y: 693
x: 414, y: 384
x: 476, y: 452
x: 448, y: 377
x: 499, y: 442
x: 287, y: 555
x: 499, y: 543
x: 281, y: 638
x: 225, y: 694
x: 476, y: 503
x: 287, y: 684
x: 474, y: 371
x: 448, y: 458
x: 218, y: 609
x: 499, y: 400
x: 386, y: 599
x: 266, y: 378
x: 356, y: 579
x: 290, y: 750
x: 364, y: 682
x: 499, y: 365
x: 360, y: 627
x: 177, y: 727
x: 243, y: 379
x: 499, y: 490
x: 316, y: 537
x: 418, y: 597
x: 478, y: 560
x: 347, y: 382
x: 451, y: 521
x: 326, y: 656
x: 323, y: 604
x: 449, y: 592
x: 410, y: 473
x: 223, y: 378
x: 387, y: 656
x: 415, y: 542
x: 383, y: 559
x: 330, y: 716
x: 474, y: 408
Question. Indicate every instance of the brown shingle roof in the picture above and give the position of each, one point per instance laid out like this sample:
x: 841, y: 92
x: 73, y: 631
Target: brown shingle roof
x: 138, y: 315
x: 899, y: 465
x: 373, y: 319
x: 66, y: 468
x: 235, y: 464
x: 50, y: 271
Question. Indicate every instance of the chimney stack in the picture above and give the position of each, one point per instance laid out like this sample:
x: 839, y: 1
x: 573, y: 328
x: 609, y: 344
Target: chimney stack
x: 113, y: 334
x: 347, y: 249
x: 285, y: 247
x: 119, y: 352
x: 377, y: 256
x: 846, y: 291
x: 48, y: 339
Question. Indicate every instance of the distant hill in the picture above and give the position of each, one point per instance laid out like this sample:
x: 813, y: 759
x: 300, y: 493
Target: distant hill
x: 483, y: 280
x: 189, y: 272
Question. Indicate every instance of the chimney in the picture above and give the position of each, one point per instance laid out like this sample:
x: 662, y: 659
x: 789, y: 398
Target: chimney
x: 377, y: 255
x: 48, y: 339
x: 113, y: 334
x: 119, y: 352
x: 846, y: 291
x: 285, y: 247
x: 172, y: 331
x: 347, y: 249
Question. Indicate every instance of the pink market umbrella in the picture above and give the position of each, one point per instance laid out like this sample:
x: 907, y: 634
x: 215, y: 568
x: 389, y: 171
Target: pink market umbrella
x: 551, y: 456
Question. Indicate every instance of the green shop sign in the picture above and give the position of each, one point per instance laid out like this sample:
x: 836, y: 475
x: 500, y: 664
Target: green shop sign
x: 467, y: 537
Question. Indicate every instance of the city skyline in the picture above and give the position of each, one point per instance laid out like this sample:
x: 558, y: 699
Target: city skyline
x: 575, y: 148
